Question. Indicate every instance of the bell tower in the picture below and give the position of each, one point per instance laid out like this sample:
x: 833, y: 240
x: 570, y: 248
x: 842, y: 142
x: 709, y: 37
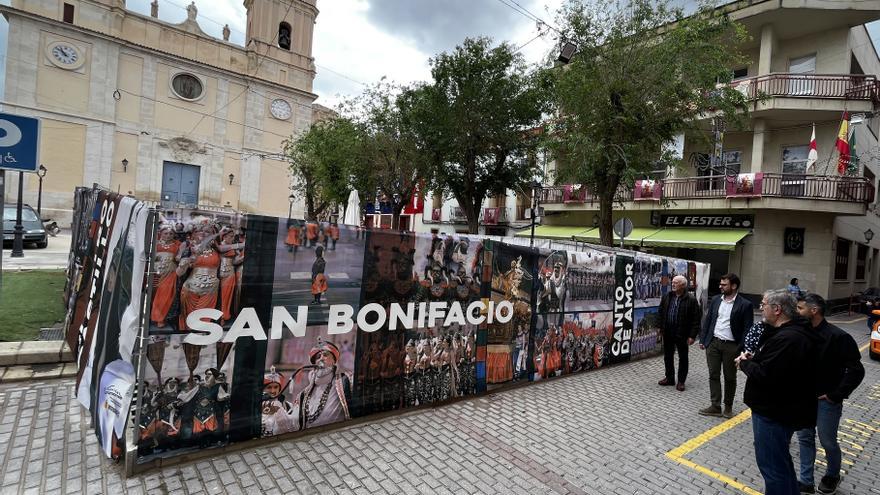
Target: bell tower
x: 277, y: 27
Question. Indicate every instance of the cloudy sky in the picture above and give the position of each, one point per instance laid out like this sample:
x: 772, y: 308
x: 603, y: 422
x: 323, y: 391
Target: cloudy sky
x: 360, y: 41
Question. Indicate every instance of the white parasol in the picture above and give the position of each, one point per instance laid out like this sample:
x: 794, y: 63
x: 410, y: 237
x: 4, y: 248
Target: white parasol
x: 353, y: 210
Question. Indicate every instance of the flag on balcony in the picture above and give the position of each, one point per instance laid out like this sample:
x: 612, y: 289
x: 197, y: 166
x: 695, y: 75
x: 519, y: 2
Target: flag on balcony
x: 843, y: 145
x: 814, y: 153
x: 853, y: 162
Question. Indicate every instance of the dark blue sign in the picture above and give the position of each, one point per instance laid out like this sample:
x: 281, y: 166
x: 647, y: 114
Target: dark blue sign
x: 19, y: 143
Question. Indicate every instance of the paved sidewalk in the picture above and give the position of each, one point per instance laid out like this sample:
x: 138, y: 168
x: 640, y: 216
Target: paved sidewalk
x: 603, y: 432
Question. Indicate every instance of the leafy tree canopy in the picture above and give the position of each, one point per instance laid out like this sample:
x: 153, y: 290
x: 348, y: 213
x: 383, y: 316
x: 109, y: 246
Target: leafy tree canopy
x: 643, y: 73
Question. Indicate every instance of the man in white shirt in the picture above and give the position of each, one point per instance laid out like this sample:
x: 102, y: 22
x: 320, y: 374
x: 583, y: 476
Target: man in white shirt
x: 729, y: 317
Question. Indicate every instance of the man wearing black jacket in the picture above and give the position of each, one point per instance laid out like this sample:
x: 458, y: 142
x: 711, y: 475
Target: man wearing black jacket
x: 727, y: 321
x: 840, y: 372
x: 780, y: 389
x: 679, y: 322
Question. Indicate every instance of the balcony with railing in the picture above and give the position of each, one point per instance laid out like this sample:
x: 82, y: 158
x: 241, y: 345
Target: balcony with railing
x: 834, y: 86
x: 854, y: 191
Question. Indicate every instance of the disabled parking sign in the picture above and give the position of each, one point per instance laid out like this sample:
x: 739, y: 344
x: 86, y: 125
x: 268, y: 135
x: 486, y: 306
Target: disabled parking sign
x: 19, y: 143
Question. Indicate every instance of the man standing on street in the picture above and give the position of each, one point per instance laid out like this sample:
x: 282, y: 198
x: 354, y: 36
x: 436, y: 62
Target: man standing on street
x: 729, y: 316
x: 780, y: 389
x: 679, y: 321
x: 840, y: 372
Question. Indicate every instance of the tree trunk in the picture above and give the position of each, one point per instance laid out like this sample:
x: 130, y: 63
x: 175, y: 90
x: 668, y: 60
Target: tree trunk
x: 606, y: 221
x: 473, y: 216
x: 395, y: 216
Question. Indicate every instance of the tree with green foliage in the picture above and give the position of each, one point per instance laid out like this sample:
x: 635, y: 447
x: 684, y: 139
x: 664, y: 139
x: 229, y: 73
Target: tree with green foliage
x: 475, y: 117
x: 322, y: 163
x: 643, y: 73
x: 392, y: 159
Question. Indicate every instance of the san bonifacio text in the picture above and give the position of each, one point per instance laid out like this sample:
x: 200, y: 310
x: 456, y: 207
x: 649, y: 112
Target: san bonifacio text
x: 342, y: 319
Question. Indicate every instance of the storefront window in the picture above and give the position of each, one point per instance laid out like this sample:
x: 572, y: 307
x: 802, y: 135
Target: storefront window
x: 841, y: 259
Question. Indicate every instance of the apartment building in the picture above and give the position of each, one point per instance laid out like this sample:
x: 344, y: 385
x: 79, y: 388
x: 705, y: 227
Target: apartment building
x: 162, y: 111
x: 758, y: 211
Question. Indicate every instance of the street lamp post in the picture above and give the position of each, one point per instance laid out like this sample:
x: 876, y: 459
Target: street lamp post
x: 40, y: 173
x: 18, y: 239
x: 536, y: 190
x: 290, y: 208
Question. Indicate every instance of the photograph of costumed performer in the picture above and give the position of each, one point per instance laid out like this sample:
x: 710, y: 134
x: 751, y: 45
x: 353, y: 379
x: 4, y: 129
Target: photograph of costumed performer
x: 203, y: 402
x: 294, y: 237
x: 165, y: 278
x: 319, y: 278
x: 552, y: 290
x: 326, y: 397
x: 201, y: 288
x: 279, y: 415
x: 230, y: 258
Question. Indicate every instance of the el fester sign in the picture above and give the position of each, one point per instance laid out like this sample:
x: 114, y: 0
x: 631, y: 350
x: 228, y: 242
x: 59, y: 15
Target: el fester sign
x: 709, y: 221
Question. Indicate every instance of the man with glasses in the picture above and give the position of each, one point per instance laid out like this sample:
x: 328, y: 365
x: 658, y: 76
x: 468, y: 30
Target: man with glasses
x: 727, y: 321
x: 780, y: 389
x: 840, y: 372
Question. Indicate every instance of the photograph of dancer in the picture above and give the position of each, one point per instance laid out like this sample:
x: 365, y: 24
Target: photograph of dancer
x: 648, y: 278
x: 579, y: 344
x: 197, y: 266
x: 439, y: 364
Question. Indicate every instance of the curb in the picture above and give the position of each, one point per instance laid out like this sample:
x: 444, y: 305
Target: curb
x: 29, y: 372
x: 21, y: 361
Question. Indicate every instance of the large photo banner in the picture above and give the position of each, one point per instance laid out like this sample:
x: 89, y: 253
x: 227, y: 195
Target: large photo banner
x: 256, y: 326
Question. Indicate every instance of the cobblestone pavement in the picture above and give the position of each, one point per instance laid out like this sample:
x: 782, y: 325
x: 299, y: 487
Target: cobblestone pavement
x: 603, y: 432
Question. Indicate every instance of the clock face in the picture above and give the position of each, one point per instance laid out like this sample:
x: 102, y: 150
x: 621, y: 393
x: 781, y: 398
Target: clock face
x: 280, y: 109
x: 65, y: 54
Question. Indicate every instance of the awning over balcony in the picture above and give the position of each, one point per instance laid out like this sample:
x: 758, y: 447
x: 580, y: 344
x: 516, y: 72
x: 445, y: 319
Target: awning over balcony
x: 562, y: 232
x: 724, y: 239
x: 635, y: 238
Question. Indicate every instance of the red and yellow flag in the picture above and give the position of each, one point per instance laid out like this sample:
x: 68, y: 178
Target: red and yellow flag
x: 843, y: 145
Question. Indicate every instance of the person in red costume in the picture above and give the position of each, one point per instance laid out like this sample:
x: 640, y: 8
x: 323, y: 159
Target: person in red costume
x: 230, y: 258
x: 165, y: 280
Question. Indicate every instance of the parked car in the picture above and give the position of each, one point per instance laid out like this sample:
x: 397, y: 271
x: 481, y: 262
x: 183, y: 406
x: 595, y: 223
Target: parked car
x: 34, y: 232
x: 869, y: 300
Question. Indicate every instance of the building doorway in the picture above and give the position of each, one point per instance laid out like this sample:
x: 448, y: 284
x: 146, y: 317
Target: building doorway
x: 180, y: 185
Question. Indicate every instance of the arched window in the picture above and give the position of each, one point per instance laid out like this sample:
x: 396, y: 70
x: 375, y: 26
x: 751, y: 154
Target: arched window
x: 284, y: 35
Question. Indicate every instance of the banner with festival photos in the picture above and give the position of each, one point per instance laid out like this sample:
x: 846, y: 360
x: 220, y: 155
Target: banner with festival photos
x: 260, y: 326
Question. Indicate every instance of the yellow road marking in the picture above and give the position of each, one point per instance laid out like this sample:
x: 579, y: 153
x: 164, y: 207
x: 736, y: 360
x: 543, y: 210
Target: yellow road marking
x: 861, y: 424
x: 862, y: 348
x: 677, y: 454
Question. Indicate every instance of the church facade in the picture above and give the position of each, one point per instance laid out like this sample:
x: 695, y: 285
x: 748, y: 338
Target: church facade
x: 161, y: 111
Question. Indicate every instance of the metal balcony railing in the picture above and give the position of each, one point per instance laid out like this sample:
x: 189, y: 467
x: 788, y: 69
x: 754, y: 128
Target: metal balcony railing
x: 775, y: 185
x: 840, y: 86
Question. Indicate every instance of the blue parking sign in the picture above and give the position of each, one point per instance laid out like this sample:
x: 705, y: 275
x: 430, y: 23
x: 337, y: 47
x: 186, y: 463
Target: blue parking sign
x: 19, y: 143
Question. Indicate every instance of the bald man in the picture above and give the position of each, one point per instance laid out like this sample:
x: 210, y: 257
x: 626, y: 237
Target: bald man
x: 679, y: 322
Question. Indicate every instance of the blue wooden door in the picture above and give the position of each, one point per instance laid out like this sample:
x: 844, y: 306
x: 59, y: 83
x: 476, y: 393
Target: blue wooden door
x: 180, y: 184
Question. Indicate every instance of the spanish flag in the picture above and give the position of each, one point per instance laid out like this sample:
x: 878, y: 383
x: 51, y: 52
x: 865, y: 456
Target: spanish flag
x: 843, y: 145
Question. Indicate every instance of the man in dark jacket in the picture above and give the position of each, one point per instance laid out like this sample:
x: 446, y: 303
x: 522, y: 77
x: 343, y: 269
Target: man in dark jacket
x: 679, y: 322
x: 730, y: 316
x: 780, y: 389
x: 840, y: 372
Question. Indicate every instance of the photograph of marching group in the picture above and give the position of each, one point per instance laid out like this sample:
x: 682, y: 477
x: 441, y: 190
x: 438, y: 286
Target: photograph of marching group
x: 257, y: 326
